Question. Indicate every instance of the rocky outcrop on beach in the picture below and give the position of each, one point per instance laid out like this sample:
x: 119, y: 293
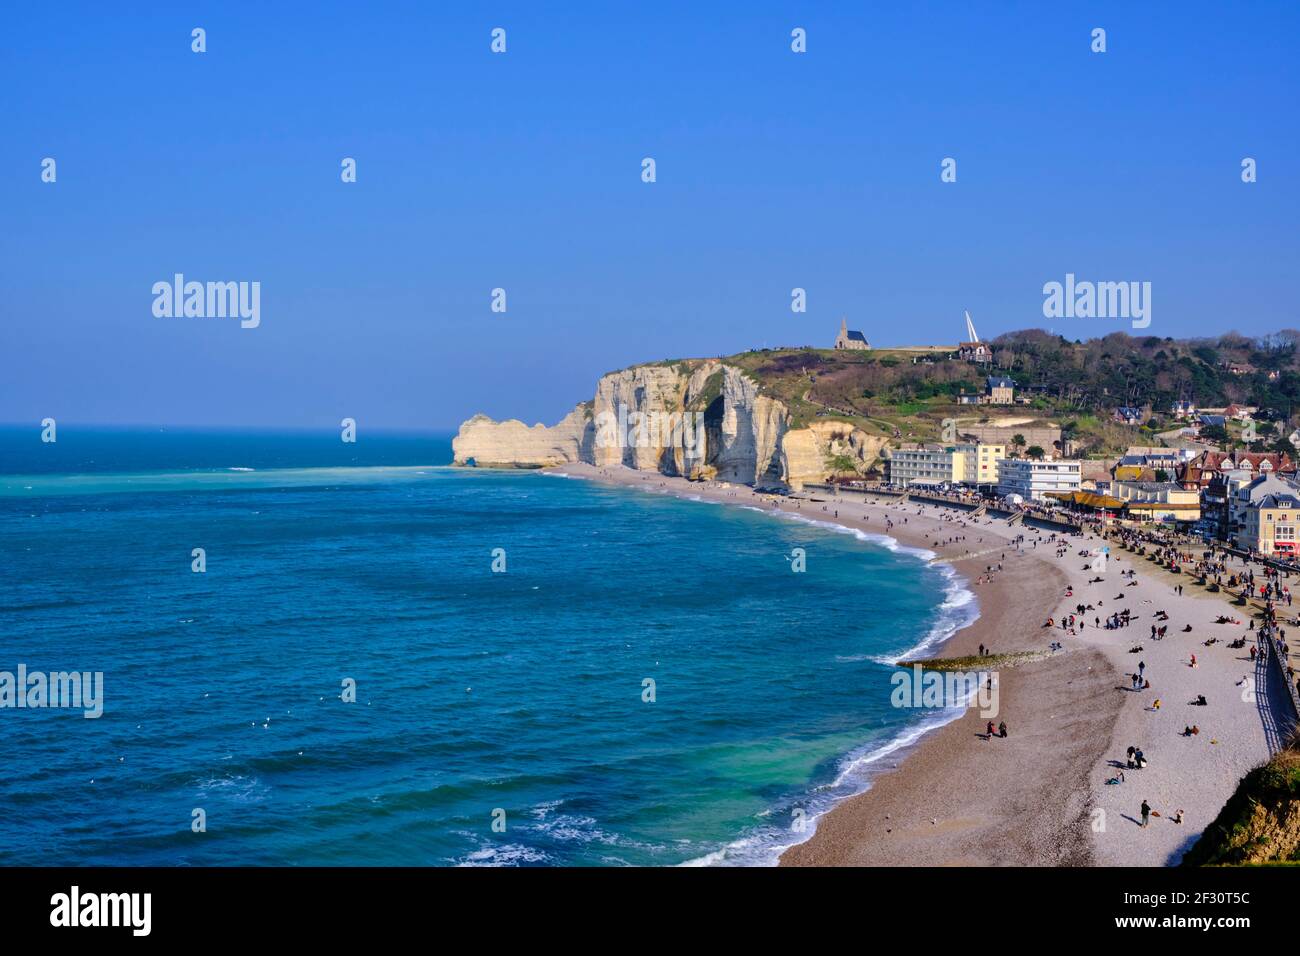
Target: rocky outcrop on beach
x: 696, y: 419
x: 512, y: 444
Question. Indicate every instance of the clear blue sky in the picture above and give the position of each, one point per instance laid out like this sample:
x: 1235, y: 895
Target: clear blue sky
x: 522, y: 170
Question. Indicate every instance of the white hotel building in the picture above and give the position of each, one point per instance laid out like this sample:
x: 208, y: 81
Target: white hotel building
x: 1033, y: 479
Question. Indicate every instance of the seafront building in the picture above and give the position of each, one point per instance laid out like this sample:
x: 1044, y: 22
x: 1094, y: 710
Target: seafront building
x: 1269, y: 525
x: 928, y: 464
x: 1035, y: 479
x: 1157, y: 501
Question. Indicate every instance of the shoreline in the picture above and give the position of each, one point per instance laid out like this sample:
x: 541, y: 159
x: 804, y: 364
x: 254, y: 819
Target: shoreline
x: 951, y: 797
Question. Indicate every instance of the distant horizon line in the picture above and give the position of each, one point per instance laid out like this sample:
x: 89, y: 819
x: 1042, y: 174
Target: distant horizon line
x: 185, y: 426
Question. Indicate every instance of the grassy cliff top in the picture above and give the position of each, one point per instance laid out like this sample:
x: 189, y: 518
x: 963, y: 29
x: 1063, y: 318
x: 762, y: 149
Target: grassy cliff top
x: 906, y: 393
x: 1260, y: 823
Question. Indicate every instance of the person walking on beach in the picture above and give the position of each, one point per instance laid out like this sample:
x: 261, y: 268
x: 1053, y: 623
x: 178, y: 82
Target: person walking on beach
x: 1146, y: 813
x: 1002, y: 729
x: 1142, y: 668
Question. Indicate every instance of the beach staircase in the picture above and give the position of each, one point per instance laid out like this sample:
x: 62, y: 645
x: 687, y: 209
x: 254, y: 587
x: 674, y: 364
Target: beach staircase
x: 980, y: 510
x: 1017, y: 518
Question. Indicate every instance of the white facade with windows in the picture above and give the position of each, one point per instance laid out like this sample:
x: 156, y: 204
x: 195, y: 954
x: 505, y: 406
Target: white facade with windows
x: 1034, y: 479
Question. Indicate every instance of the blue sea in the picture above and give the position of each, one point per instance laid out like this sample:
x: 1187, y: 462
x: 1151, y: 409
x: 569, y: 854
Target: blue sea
x: 500, y: 718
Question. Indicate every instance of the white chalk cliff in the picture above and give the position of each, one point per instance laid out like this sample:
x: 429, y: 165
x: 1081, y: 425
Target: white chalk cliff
x: 743, y: 436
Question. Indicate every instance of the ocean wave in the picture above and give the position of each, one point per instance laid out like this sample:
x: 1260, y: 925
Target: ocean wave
x: 237, y: 788
x: 505, y: 854
x: 764, y: 844
x: 958, y: 610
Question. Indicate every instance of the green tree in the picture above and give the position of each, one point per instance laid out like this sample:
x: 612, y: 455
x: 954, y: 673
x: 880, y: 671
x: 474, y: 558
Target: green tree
x: 1214, y: 433
x: 1035, y: 452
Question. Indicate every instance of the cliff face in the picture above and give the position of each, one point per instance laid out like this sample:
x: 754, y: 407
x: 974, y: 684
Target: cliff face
x: 1260, y: 823
x: 697, y: 419
x: 512, y: 444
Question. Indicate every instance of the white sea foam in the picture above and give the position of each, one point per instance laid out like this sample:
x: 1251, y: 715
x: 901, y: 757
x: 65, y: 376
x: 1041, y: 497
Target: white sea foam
x: 506, y: 854
x: 959, y: 609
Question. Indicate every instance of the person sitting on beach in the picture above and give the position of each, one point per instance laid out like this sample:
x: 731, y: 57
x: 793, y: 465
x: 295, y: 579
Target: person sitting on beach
x: 1199, y: 701
x: 990, y: 731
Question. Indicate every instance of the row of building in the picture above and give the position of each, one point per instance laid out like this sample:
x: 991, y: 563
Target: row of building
x: 981, y: 466
x: 1251, y: 499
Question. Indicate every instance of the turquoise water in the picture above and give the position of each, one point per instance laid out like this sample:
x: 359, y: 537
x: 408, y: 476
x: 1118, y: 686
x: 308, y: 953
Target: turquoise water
x: 479, y: 695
